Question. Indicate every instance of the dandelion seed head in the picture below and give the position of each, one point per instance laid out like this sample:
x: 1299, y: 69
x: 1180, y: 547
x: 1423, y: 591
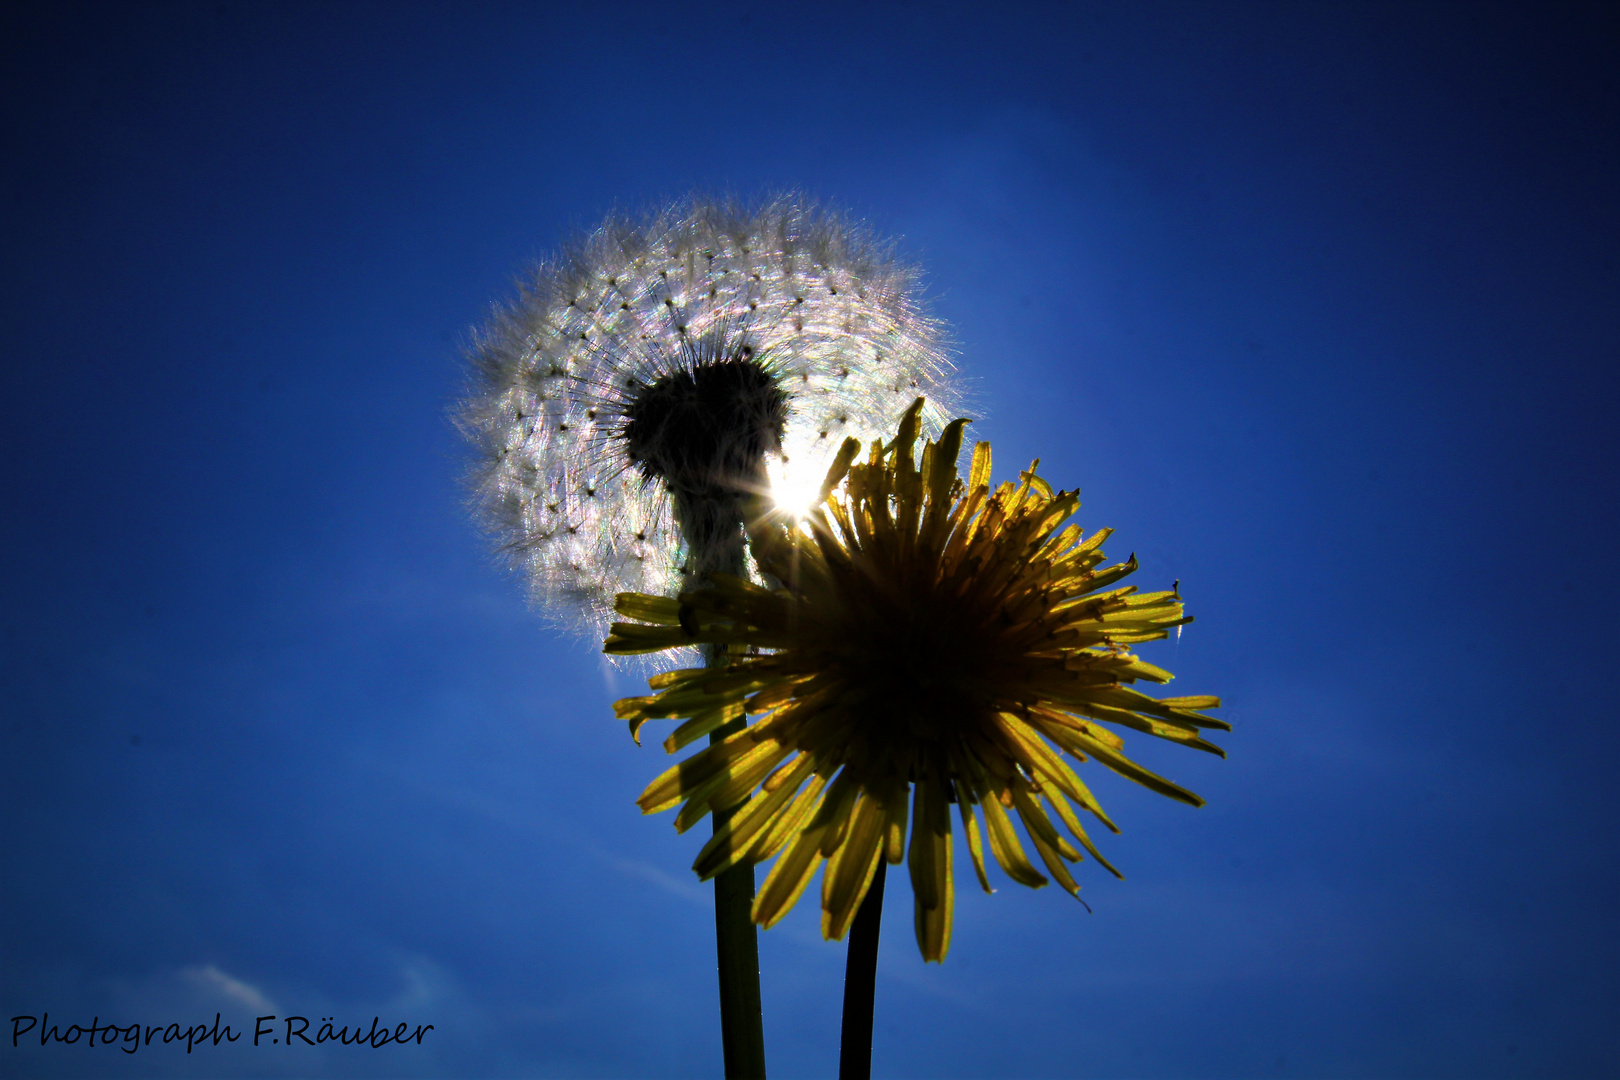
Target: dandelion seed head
x: 706, y: 347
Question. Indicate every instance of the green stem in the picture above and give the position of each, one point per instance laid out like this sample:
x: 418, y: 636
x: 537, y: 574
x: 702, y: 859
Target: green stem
x: 860, y: 975
x: 742, y: 1026
x: 715, y: 537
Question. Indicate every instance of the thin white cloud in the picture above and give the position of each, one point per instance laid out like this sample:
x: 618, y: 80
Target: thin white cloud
x: 687, y: 890
x: 210, y: 979
x: 516, y: 817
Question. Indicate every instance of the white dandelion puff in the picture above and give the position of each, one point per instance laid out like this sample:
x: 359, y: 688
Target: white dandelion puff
x: 655, y: 370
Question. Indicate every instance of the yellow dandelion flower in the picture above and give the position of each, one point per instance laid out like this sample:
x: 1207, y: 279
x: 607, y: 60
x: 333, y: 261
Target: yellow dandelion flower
x: 930, y: 643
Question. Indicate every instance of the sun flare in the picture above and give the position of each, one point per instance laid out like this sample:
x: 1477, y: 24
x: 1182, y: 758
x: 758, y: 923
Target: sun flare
x: 794, y: 490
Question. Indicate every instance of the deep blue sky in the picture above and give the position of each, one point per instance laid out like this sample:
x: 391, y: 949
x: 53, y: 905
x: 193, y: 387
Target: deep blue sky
x: 1316, y: 303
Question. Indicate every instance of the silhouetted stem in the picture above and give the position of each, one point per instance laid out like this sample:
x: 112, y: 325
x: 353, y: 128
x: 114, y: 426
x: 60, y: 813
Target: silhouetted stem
x: 860, y: 974
x: 714, y: 538
x: 742, y: 1027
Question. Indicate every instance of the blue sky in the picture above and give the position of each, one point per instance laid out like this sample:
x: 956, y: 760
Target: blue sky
x: 1315, y: 303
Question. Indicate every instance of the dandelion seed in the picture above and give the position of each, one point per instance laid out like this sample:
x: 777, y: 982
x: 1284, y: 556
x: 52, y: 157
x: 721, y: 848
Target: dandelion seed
x: 650, y: 374
x: 932, y: 644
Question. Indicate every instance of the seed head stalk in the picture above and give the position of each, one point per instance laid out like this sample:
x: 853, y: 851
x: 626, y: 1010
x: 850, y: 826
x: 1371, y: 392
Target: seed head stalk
x: 714, y: 536
x: 705, y: 434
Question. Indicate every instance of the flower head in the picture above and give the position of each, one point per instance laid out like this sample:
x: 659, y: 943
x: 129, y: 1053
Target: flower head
x: 650, y: 374
x: 931, y: 643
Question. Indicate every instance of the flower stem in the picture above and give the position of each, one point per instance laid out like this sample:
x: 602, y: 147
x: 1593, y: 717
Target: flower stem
x: 860, y: 973
x: 742, y: 1027
x: 713, y: 531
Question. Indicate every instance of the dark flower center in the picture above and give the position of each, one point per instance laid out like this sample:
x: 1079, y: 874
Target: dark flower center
x: 927, y: 660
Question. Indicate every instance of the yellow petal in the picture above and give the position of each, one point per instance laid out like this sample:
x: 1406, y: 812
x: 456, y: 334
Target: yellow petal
x: 833, y: 817
x: 850, y: 869
x: 930, y: 865
x: 1038, y: 758
x: 840, y: 467
x: 906, y: 438
x: 774, y: 695
x: 730, y: 788
x: 1004, y: 843
x: 699, y: 726
x: 733, y: 841
x: 1072, y: 821
x: 942, y: 469
x: 1032, y: 817
x: 979, y: 474
x: 1058, y: 544
x: 1038, y: 825
x: 1194, y: 701
x: 681, y: 781
x: 1129, y: 769
x: 659, y: 610
x: 970, y: 825
x: 722, y: 687
x: 629, y: 639
x: 789, y: 822
x: 894, y: 846
x: 787, y: 879
x: 666, y: 679
x: 920, y: 861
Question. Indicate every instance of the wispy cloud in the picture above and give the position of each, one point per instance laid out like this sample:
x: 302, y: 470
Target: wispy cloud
x: 211, y: 980
x: 689, y: 890
x: 517, y: 817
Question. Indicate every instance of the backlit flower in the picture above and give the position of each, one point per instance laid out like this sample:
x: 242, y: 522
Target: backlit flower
x: 932, y: 643
x: 658, y: 370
